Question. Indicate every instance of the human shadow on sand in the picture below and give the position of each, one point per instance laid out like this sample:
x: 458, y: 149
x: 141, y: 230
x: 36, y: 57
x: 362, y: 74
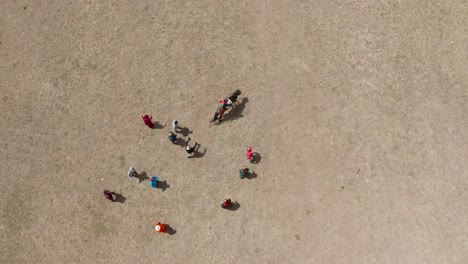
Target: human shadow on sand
x: 197, y: 153
x: 256, y: 158
x: 180, y: 142
x: 236, y: 112
x: 119, y: 198
x: 163, y: 185
x: 251, y: 175
x: 169, y: 230
x: 156, y: 125
x: 234, y: 206
x: 184, y: 131
x: 142, y: 177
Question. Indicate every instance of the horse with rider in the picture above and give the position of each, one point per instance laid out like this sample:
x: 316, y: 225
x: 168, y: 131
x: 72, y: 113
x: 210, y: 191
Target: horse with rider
x: 225, y: 104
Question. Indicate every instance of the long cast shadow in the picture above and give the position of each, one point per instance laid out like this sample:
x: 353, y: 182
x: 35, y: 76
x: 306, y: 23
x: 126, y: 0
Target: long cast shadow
x: 256, y: 158
x: 180, y: 142
x: 236, y: 112
x: 156, y: 125
x: 252, y: 175
x: 163, y: 185
x: 199, y: 154
x: 184, y: 131
x: 169, y: 230
x: 234, y: 206
x: 119, y: 198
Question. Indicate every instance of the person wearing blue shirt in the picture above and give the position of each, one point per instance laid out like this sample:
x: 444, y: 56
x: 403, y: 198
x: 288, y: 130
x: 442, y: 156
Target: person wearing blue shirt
x: 153, y: 181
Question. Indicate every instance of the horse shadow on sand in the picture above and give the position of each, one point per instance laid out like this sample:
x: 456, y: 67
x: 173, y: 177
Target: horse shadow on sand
x: 236, y: 111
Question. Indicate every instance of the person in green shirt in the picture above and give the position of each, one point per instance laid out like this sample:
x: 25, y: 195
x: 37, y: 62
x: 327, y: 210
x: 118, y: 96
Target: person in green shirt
x: 172, y: 137
x: 244, y: 172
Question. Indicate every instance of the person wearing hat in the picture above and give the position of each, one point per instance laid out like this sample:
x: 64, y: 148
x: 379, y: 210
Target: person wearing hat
x: 160, y: 228
x: 244, y: 172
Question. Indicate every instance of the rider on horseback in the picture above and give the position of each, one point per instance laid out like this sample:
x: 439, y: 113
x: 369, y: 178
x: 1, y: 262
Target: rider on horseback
x: 225, y: 105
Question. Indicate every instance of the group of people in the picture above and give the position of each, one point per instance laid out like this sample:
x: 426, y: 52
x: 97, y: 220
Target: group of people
x: 225, y: 104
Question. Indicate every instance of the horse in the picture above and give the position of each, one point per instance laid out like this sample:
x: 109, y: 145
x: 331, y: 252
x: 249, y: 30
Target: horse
x: 232, y: 99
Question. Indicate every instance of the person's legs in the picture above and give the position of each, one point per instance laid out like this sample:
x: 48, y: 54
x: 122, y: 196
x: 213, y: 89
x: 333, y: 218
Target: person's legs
x: 221, y: 114
x: 215, y: 117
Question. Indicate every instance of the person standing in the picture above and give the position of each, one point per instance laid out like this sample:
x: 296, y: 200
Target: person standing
x: 175, y: 126
x: 147, y: 120
x: 226, y: 204
x: 190, y: 150
x: 109, y: 195
x: 132, y: 173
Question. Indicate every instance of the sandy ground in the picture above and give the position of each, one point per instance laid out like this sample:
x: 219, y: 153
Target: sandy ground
x: 358, y: 110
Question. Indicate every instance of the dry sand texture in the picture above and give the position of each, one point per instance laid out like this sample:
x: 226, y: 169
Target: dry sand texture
x: 357, y: 108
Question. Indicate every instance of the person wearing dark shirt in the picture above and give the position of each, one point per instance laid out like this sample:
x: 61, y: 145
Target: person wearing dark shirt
x: 109, y: 195
x: 190, y: 150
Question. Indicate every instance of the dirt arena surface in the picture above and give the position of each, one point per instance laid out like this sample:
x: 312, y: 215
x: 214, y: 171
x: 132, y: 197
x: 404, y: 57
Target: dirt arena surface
x: 358, y: 110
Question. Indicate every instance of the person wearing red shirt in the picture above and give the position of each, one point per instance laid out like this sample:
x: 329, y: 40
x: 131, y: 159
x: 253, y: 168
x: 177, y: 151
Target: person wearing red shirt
x: 226, y: 204
x: 249, y: 154
x: 147, y: 120
x: 160, y: 228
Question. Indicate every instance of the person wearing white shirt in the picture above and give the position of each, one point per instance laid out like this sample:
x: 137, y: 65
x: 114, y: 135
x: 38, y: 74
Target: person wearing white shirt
x: 132, y: 173
x: 175, y: 125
